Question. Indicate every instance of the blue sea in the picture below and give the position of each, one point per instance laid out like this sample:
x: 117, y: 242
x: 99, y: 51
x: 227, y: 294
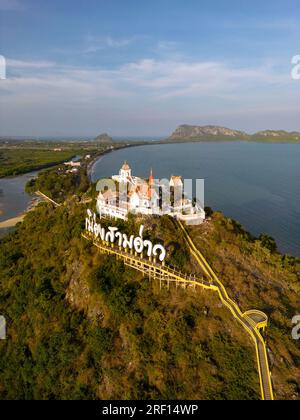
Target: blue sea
x: 254, y: 183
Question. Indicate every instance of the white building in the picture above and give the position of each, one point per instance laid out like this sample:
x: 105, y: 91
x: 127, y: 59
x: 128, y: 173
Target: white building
x: 148, y: 198
x: 125, y: 176
x: 72, y: 171
x: 73, y: 164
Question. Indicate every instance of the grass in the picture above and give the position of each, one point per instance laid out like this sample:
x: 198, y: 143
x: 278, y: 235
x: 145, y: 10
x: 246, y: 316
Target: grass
x: 81, y: 325
x: 256, y: 276
x: 19, y: 161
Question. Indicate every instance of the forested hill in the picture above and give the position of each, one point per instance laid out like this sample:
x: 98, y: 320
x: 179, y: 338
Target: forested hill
x: 82, y: 326
x: 217, y: 133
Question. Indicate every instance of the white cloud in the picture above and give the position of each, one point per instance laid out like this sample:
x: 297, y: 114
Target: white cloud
x: 146, y: 78
x: 94, y: 44
x: 146, y: 90
x: 22, y: 64
x: 181, y: 78
x: 167, y: 45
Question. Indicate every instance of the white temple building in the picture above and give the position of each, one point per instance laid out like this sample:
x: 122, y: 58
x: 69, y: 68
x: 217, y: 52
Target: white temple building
x: 148, y: 197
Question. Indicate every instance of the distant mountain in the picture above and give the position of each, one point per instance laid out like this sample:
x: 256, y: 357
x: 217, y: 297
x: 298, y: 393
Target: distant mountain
x: 277, y: 136
x: 215, y: 132
x: 104, y: 138
x: 194, y: 132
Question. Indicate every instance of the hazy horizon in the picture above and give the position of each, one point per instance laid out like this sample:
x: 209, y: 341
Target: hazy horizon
x: 139, y: 69
x: 114, y: 137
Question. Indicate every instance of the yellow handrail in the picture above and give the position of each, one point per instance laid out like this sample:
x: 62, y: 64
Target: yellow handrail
x: 242, y: 318
x: 248, y: 324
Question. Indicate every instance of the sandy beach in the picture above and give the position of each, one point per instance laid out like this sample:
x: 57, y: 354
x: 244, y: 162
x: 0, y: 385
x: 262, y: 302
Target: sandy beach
x: 11, y: 222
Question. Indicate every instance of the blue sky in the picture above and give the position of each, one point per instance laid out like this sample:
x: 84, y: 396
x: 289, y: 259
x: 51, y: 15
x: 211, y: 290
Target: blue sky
x: 78, y: 68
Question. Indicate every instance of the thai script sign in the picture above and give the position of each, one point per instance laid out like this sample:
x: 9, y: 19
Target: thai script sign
x: 131, y: 242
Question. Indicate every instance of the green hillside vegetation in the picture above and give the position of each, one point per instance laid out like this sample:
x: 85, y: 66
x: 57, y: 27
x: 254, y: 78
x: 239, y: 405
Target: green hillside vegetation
x: 82, y: 325
x: 194, y: 133
x: 18, y: 157
x: 59, y: 185
x: 19, y: 161
x: 284, y: 138
x: 280, y: 137
x: 258, y: 277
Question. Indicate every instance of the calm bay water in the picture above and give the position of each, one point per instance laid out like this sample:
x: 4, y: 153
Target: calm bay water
x: 256, y: 184
x: 13, y: 199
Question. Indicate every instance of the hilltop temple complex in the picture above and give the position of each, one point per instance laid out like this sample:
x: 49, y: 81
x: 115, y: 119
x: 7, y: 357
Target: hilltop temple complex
x: 148, y: 197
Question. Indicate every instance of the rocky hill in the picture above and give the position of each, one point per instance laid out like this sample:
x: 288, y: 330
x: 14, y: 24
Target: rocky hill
x: 277, y: 136
x: 104, y: 138
x: 194, y: 132
x: 83, y: 326
x: 218, y: 133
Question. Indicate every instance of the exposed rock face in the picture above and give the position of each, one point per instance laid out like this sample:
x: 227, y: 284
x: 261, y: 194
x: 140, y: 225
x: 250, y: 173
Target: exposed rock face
x: 198, y: 132
x: 215, y: 132
x: 104, y: 138
x: 267, y: 133
x: 280, y: 133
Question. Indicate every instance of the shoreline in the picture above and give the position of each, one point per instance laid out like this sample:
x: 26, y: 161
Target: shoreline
x: 32, y: 170
x: 28, y: 174
x: 147, y: 143
x: 90, y: 165
x: 12, y: 222
x: 89, y: 170
x: 291, y: 253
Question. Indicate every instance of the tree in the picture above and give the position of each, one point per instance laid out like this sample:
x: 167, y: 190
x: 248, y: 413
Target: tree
x: 268, y: 242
